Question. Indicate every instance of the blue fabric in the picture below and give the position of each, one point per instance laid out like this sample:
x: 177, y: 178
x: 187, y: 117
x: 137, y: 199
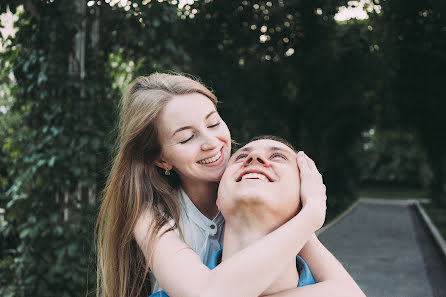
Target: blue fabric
x: 159, y: 294
x: 305, y: 276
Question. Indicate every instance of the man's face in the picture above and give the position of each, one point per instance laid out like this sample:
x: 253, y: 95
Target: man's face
x: 263, y: 172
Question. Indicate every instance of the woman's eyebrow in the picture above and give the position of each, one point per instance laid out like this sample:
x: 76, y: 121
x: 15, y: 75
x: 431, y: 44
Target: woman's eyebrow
x: 181, y: 129
x: 190, y: 127
x: 209, y: 114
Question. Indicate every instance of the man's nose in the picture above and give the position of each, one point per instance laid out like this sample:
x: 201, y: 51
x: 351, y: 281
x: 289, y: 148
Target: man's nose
x: 254, y: 158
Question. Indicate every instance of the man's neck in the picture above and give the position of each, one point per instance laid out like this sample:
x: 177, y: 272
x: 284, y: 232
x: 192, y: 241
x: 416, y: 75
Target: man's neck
x: 243, y: 230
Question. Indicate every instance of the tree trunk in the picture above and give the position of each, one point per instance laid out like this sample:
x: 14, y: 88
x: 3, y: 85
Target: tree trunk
x: 76, y: 67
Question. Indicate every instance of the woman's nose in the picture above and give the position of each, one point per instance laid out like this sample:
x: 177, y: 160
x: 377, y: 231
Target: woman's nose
x: 209, y: 143
x: 254, y: 158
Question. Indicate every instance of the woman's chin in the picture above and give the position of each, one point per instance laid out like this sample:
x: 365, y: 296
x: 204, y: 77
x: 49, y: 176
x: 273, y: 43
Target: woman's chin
x: 217, y: 177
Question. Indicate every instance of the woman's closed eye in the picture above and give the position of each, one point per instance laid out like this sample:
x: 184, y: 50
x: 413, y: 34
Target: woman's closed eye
x: 187, y: 139
x: 214, y: 125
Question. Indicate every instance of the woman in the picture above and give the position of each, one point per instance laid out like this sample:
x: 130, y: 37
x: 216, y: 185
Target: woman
x: 159, y: 208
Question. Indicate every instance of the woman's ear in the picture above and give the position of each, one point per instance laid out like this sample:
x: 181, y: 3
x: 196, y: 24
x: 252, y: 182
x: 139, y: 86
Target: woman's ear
x: 163, y: 165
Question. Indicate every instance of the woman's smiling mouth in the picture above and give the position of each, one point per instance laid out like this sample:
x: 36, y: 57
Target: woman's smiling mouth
x: 212, y: 159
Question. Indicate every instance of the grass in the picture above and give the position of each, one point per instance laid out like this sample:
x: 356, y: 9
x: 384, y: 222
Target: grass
x: 438, y: 217
x: 392, y: 192
x: 436, y: 214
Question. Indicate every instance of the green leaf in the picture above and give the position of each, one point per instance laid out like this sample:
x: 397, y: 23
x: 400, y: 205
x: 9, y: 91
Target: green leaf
x: 40, y: 163
x: 51, y: 161
x: 41, y: 78
x: 96, y: 143
x: 58, y: 230
x: 72, y: 248
x: 24, y: 233
x: 54, y: 217
x: 32, y: 219
x: 26, y: 66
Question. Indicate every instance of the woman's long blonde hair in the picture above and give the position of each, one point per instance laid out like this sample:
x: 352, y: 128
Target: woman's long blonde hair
x: 135, y: 184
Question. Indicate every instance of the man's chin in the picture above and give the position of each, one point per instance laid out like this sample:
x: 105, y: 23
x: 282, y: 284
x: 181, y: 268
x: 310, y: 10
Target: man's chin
x: 255, y: 184
x: 253, y: 195
x: 258, y: 188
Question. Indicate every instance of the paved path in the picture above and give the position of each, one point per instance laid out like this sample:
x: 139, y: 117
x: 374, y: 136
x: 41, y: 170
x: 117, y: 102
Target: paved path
x: 387, y: 250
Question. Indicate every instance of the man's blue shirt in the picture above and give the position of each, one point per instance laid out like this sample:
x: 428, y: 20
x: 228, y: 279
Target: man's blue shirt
x: 305, y: 276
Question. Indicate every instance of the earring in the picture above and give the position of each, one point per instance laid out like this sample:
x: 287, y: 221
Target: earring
x: 167, y: 172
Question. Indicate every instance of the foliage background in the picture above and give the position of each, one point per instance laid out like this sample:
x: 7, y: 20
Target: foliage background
x: 363, y: 97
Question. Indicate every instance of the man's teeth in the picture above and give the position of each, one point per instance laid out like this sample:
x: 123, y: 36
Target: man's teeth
x: 255, y: 176
x: 211, y: 160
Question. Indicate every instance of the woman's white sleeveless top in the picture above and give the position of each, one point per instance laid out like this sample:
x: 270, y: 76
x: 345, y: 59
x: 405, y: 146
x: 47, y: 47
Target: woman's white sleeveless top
x: 204, y: 236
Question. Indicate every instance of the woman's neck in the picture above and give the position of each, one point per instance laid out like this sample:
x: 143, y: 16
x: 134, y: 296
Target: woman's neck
x: 203, y: 196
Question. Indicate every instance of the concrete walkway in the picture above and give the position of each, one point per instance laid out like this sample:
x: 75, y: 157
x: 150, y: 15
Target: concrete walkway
x: 388, y: 251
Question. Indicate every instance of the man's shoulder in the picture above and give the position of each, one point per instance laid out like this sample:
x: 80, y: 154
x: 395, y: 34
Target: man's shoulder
x: 159, y: 294
x: 305, y: 275
x: 216, y: 259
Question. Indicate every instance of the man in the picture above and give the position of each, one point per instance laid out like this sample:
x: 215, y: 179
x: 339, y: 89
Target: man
x: 260, y: 190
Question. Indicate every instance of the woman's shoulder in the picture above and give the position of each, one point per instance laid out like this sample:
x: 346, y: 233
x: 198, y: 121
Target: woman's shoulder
x: 145, y: 225
x: 142, y: 226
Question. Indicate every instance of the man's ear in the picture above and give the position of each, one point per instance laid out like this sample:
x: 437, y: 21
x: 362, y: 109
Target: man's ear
x: 163, y: 164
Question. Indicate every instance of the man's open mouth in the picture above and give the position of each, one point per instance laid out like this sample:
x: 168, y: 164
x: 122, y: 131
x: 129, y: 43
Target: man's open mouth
x: 254, y: 175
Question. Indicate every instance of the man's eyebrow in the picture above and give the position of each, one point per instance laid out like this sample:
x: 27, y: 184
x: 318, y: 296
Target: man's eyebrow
x: 272, y: 149
x: 280, y: 149
x: 190, y: 127
x: 244, y: 149
x: 275, y: 148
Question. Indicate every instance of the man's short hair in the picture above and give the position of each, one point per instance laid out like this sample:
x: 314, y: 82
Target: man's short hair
x: 275, y: 138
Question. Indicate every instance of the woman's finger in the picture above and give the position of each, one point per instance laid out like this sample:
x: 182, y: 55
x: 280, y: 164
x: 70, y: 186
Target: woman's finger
x: 311, y: 164
x: 320, y: 178
x: 302, y: 163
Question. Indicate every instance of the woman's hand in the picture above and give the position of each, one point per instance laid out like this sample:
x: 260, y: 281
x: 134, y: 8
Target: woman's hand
x: 312, y: 190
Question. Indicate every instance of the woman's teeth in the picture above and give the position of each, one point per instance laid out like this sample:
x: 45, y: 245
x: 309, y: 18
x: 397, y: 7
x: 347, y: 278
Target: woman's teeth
x: 255, y: 176
x: 211, y: 160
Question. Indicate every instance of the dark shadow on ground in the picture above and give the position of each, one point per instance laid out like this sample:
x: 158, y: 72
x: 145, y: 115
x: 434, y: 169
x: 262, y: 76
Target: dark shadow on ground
x: 434, y: 260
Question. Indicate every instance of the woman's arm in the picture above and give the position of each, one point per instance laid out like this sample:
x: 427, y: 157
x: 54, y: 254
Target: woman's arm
x: 330, y: 276
x: 328, y: 270
x: 181, y: 273
x: 249, y: 272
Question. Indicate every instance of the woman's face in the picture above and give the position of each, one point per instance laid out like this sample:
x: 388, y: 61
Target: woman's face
x: 195, y: 142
